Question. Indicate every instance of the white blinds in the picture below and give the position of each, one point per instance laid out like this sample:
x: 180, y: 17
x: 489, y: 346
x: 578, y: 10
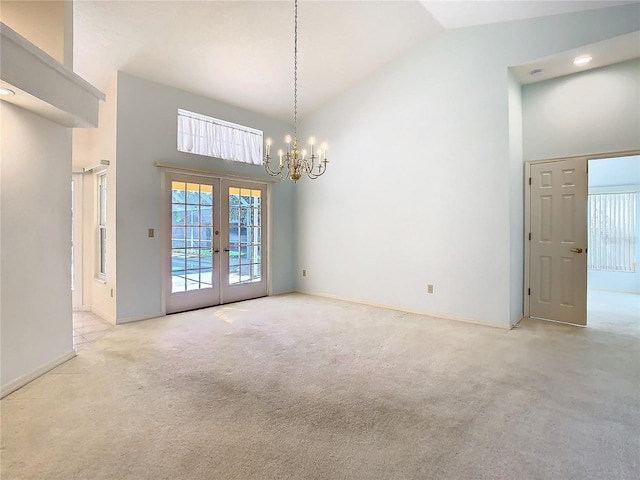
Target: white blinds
x: 612, y: 237
x: 216, y: 138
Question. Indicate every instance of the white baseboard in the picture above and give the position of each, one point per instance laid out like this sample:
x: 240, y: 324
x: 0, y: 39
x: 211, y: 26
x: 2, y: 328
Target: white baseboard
x: 137, y: 318
x: 103, y: 315
x: 406, y: 310
x: 515, y: 323
x: 29, y: 377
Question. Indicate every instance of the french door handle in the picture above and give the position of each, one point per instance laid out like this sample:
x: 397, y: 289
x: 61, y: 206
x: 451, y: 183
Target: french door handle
x: 576, y: 250
x: 227, y: 249
x: 216, y: 251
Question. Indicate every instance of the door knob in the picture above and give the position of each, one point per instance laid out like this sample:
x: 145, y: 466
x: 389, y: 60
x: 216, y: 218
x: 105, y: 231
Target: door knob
x: 576, y: 250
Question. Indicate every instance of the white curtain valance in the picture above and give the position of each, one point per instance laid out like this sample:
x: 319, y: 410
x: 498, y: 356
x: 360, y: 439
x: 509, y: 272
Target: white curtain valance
x: 212, y: 137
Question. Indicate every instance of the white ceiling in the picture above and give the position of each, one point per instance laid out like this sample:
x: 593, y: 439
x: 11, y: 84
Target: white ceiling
x: 241, y: 52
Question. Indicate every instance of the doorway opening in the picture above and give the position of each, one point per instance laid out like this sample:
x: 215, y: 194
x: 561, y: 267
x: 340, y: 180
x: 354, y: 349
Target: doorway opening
x: 215, y: 246
x: 582, y: 241
x: 613, y: 270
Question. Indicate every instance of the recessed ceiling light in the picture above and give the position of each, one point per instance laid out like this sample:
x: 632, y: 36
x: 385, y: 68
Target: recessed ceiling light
x: 6, y: 91
x: 583, y: 60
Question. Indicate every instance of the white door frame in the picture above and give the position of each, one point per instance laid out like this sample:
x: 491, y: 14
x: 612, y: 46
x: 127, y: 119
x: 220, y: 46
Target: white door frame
x: 76, y: 239
x: 166, y: 171
x: 527, y: 211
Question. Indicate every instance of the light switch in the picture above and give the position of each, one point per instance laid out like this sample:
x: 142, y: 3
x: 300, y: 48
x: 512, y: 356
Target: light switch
x: 151, y: 233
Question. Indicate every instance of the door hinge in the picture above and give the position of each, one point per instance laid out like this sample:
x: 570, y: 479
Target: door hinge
x: 529, y: 235
x: 529, y: 180
x: 529, y: 292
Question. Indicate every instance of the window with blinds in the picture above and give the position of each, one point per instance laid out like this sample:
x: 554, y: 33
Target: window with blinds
x: 612, y: 232
x: 217, y: 138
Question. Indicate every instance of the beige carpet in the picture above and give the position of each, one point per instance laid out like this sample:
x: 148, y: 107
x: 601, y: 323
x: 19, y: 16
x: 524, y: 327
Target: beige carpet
x: 299, y: 387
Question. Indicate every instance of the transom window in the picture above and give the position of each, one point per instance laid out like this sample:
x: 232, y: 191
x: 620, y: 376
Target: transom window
x: 217, y: 138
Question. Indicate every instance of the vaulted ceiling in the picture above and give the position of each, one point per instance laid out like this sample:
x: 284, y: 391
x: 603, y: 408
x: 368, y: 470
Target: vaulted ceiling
x: 241, y: 52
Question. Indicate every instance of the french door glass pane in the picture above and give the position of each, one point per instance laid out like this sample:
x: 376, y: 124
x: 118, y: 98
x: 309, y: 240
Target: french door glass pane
x: 244, y: 235
x: 191, y: 236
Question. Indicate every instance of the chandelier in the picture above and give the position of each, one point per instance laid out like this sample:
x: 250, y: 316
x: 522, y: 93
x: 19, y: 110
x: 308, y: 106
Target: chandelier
x: 293, y: 162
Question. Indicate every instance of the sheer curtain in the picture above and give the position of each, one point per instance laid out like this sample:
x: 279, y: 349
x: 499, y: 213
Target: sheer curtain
x: 216, y: 138
x: 612, y: 227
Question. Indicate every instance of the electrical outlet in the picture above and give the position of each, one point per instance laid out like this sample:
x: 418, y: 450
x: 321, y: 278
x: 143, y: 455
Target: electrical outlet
x: 429, y: 288
x: 151, y: 233
x: 304, y: 273
x: 111, y: 293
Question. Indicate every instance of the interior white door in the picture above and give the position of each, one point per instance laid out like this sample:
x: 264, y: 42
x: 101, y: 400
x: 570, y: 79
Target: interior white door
x: 243, y: 260
x: 558, y: 247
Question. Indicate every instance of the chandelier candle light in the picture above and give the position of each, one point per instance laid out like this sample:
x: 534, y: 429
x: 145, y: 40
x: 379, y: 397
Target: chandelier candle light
x: 293, y: 163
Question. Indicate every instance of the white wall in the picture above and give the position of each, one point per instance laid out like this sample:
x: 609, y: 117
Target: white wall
x: 90, y: 146
x: 42, y: 22
x: 613, y: 172
x: 596, y: 111
x: 147, y: 127
x: 35, y: 269
x: 421, y: 187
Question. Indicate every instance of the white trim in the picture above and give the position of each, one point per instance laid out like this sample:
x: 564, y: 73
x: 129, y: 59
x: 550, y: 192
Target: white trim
x: 515, y: 323
x: 98, y: 168
x: 37, y: 80
x: 473, y: 321
x: 77, y: 295
x: 103, y: 315
x: 49, y: 61
x: 269, y: 237
x: 165, y: 232
x: 217, y: 121
x: 593, y: 156
x: 138, y: 318
x: 102, y: 203
x: 206, y: 172
x: 557, y: 322
x: 614, y: 189
x: 29, y: 377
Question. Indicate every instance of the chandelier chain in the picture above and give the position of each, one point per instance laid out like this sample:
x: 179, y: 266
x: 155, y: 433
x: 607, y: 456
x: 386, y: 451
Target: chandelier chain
x: 293, y: 162
x: 295, y: 70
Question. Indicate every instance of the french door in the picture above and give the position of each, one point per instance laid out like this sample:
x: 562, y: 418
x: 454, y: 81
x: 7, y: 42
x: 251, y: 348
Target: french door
x: 216, y: 243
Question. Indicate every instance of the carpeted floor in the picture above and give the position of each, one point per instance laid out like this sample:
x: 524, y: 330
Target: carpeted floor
x: 299, y: 387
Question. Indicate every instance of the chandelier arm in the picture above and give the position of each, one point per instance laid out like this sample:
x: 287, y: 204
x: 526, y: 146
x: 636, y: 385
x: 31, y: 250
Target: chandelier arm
x: 312, y: 163
x: 322, y: 168
x: 306, y: 166
x: 273, y: 173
